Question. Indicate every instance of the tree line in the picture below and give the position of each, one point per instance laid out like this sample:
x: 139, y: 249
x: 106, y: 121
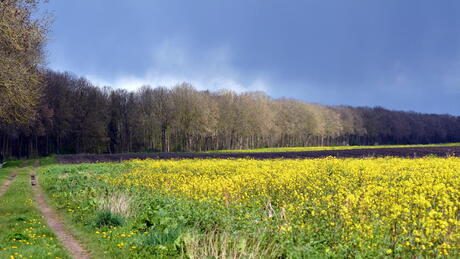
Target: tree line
x: 75, y: 116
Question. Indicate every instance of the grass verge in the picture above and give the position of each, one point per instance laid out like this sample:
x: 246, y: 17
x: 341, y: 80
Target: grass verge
x: 23, y: 232
x: 7, y: 170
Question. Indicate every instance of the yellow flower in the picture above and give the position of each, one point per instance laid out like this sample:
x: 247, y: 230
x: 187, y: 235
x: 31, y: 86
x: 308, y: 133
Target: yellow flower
x: 358, y: 198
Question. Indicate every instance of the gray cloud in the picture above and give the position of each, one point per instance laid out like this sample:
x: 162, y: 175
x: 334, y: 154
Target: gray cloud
x: 392, y: 53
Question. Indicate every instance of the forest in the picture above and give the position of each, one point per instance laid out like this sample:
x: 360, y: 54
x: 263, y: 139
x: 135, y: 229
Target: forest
x: 75, y: 116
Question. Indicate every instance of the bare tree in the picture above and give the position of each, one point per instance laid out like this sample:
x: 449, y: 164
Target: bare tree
x: 21, y: 56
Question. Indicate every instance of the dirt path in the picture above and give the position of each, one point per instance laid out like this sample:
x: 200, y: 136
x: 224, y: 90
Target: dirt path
x: 70, y: 243
x: 7, y: 183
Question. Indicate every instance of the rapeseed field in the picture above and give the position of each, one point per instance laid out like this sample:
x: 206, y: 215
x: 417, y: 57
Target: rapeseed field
x: 373, y: 207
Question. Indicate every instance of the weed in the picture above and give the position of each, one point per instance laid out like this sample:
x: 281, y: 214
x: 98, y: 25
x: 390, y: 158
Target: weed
x: 107, y: 219
x: 116, y: 203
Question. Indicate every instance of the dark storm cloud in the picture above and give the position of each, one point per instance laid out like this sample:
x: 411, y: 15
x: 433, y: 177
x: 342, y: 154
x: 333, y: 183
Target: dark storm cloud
x: 396, y: 54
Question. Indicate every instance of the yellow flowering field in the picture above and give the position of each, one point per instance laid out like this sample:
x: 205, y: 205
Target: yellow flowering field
x: 392, y: 204
x: 279, y: 208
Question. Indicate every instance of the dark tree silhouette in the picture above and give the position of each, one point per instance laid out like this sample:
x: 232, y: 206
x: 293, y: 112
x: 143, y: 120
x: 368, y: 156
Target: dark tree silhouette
x: 74, y: 116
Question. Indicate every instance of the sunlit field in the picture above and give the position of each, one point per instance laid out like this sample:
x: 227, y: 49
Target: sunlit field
x: 300, y: 149
x: 23, y: 230
x: 244, y: 208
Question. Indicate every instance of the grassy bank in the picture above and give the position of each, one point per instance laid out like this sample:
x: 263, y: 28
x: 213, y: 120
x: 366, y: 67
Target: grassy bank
x: 7, y: 169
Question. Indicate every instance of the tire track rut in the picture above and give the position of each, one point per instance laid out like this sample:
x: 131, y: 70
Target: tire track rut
x: 7, y: 183
x: 70, y: 243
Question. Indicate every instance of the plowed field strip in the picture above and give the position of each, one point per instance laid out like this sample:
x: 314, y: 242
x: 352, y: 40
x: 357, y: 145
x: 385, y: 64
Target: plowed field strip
x: 409, y: 152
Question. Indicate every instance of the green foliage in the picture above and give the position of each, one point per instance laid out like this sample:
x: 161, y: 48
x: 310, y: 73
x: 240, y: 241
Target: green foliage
x: 162, y: 226
x: 167, y: 242
x: 18, y: 237
x: 169, y: 226
x: 49, y: 160
x: 23, y: 233
x: 165, y: 237
x: 107, y: 219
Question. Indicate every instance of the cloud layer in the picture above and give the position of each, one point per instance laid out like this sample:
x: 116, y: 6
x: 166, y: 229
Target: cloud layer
x: 172, y: 63
x: 391, y: 53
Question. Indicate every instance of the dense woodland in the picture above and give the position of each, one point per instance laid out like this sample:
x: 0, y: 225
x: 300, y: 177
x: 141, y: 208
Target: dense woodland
x: 74, y: 116
x: 44, y: 112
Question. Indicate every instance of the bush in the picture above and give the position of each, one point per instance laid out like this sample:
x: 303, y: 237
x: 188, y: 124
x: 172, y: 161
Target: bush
x: 164, y: 243
x: 18, y: 237
x: 107, y: 218
x: 170, y: 237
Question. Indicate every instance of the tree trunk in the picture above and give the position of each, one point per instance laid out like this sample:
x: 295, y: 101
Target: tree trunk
x: 164, y: 145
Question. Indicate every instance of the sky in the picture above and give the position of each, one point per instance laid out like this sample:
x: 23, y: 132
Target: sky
x: 402, y: 55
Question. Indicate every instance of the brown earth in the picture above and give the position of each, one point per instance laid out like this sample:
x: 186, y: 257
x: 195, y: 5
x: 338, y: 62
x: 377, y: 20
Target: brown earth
x: 409, y: 152
x: 70, y: 243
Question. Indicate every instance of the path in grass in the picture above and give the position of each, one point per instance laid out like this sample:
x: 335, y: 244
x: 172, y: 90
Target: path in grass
x: 4, y: 171
x: 53, y: 221
x: 7, y: 183
x: 23, y: 233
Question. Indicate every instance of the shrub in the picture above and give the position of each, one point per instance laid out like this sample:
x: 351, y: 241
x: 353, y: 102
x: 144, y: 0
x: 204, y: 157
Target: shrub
x: 116, y: 203
x: 164, y: 243
x: 107, y: 218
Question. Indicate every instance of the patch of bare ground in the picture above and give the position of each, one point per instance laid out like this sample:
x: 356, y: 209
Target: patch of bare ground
x: 70, y: 243
x: 406, y: 152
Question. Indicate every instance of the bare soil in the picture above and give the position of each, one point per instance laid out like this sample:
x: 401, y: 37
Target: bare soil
x: 70, y: 243
x: 409, y: 152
